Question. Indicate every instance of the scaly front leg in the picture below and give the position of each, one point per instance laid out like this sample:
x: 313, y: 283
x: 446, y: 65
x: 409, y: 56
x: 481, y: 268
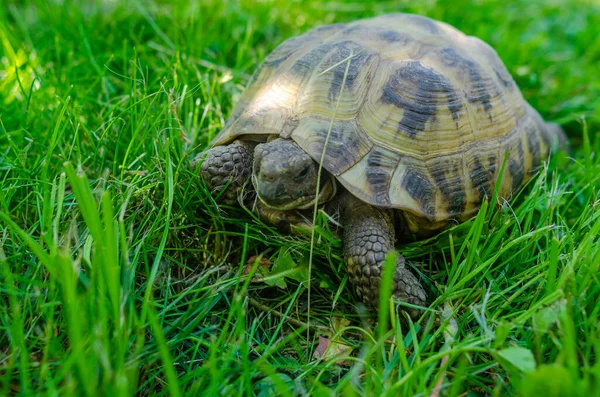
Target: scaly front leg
x: 368, y: 237
x: 227, y: 167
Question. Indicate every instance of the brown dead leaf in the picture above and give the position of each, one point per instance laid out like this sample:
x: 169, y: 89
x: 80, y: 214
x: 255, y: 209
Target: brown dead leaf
x: 261, y: 270
x: 329, y: 347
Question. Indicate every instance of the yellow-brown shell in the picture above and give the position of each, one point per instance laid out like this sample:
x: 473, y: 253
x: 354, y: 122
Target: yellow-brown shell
x: 419, y: 115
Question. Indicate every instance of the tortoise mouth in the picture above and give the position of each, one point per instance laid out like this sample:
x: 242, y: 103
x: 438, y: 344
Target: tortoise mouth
x: 286, y: 202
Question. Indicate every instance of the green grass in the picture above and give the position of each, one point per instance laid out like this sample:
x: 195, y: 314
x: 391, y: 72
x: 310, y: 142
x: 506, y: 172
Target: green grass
x: 119, y: 275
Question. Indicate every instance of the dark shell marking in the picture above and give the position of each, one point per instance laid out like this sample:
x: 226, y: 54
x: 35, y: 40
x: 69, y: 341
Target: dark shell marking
x: 309, y: 61
x: 295, y: 44
x: 483, y: 177
x: 346, y: 146
x: 418, y: 91
x: 395, y: 37
x: 273, y: 62
x: 505, y: 79
x: 328, y: 28
x: 477, y: 91
x: 452, y: 187
x: 450, y: 57
x: 421, y: 190
x: 282, y: 53
x: 429, y: 24
x: 516, y: 166
x: 342, y: 54
x: 496, y: 63
x: 253, y: 78
x: 381, y: 164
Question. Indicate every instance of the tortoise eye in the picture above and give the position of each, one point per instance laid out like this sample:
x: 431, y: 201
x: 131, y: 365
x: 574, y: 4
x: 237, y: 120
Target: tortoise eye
x: 303, y: 173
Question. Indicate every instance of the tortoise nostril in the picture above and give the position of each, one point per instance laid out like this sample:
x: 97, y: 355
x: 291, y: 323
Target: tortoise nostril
x: 266, y: 177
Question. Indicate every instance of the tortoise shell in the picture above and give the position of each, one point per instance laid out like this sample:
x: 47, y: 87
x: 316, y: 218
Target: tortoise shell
x: 415, y: 114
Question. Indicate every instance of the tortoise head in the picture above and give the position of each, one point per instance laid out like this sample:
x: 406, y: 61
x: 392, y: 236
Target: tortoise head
x: 285, y: 176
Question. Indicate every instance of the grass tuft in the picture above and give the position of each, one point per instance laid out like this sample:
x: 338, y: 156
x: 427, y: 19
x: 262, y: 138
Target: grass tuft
x: 120, y: 275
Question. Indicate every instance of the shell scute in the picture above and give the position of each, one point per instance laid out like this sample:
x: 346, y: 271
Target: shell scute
x: 483, y: 175
x: 346, y: 142
x: 372, y: 175
x: 419, y: 92
x: 450, y: 182
x: 418, y: 186
x: 346, y: 63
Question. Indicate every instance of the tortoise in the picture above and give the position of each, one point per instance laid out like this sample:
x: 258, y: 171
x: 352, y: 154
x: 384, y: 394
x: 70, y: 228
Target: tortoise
x: 409, y: 121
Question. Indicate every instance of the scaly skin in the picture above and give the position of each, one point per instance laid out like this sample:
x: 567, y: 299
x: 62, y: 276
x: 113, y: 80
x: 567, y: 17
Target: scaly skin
x: 368, y: 237
x: 223, y: 164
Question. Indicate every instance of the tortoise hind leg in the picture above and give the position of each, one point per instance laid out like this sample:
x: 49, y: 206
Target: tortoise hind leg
x: 368, y: 237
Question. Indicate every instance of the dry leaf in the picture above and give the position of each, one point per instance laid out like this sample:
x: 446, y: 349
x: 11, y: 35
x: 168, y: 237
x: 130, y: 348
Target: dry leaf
x: 330, y: 348
x: 261, y: 270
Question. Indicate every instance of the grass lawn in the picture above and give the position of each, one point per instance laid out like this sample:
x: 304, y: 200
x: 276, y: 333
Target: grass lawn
x: 119, y: 275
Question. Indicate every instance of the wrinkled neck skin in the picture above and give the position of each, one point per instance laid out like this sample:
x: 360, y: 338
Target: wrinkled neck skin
x: 285, y: 177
